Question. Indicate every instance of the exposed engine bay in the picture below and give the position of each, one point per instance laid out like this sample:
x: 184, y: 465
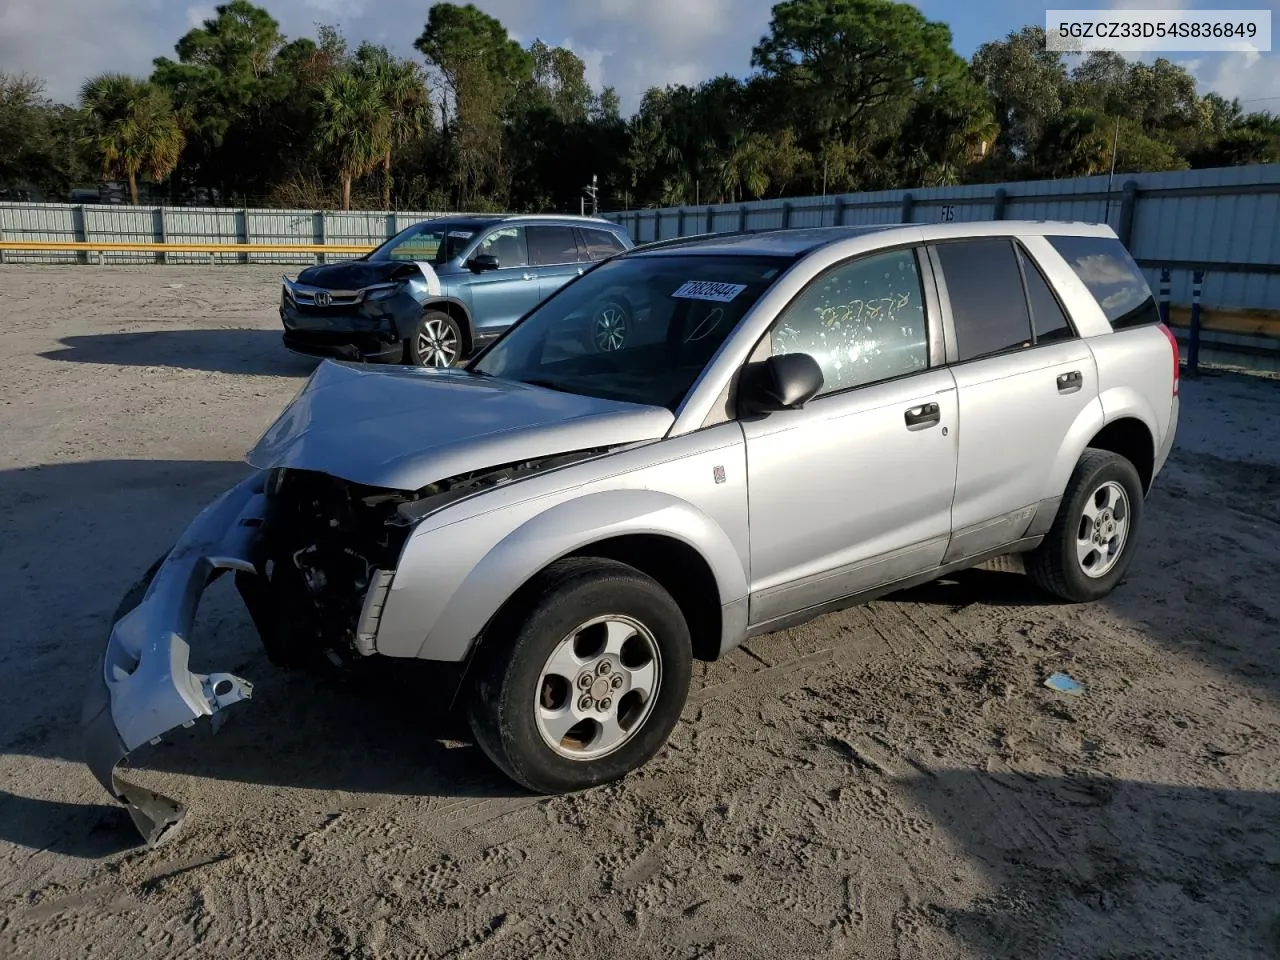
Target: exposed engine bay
x: 327, y: 549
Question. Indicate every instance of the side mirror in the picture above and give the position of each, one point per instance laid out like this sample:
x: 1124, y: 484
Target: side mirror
x: 785, y: 382
x: 483, y: 261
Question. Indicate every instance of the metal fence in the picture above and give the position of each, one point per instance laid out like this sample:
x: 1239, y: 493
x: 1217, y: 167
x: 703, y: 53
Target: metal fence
x: 1225, y: 221
x: 120, y: 224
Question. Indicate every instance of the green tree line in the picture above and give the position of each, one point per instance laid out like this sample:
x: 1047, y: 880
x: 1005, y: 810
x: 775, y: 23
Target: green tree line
x: 843, y: 95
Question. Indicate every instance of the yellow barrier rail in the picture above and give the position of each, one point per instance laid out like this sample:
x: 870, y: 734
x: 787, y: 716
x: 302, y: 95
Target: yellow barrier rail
x: 69, y: 246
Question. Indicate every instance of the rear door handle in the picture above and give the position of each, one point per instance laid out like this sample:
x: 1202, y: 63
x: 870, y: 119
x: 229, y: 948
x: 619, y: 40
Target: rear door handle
x: 1070, y: 382
x: 924, y: 416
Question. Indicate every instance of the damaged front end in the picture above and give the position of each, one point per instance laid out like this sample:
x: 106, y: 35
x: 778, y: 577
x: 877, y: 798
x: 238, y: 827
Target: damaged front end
x: 313, y: 555
x: 142, y: 686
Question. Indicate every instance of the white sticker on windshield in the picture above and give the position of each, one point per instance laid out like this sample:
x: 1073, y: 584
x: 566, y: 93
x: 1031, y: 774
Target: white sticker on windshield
x: 709, y: 290
x: 462, y: 234
x: 429, y: 275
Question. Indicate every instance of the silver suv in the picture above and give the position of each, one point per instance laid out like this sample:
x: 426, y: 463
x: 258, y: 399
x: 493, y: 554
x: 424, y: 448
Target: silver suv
x: 799, y: 420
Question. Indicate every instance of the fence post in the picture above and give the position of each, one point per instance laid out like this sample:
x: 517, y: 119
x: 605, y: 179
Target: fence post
x: 319, y: 233
x: 244, y: 222
x: 1128, y: 204
x: 3, y: 254
x: 1164, y: 295
x: 908, y: 205
x: 742, y: 218
x: 1002, y: 198
x: 680, y: 222
x: 1193, y: 344
x: 786, y: 215
x: 78, y: 214
x: 391, y: 225
x: 711, y: 219
x: 837, y: 212
x: 162, y: 232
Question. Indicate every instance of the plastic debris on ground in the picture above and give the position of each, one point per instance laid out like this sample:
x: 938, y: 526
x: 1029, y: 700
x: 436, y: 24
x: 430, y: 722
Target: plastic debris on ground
x: 1064, y: 684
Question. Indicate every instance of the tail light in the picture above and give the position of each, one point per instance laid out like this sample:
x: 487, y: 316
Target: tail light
x: 1177, y: 359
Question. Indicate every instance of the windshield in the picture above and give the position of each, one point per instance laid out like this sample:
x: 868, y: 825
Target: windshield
x: 637, y: 329
x: 430, y: 242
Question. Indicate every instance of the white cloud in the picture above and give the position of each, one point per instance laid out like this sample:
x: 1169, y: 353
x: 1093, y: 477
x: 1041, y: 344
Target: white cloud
x: 1253, y: 77
x: 592, y: 59
x: 196, y: 16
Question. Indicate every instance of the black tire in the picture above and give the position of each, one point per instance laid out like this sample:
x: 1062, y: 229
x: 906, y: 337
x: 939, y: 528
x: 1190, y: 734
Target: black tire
x: 503, y: 697
x: 1054, y: 565
x: 436, y: 327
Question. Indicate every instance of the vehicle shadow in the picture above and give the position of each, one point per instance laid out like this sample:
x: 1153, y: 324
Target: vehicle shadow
x: 994, y: 588
x: 1067, y: 881
x: 230, y: 350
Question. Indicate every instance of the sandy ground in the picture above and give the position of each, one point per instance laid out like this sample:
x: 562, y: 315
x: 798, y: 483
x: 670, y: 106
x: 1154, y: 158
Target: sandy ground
x: 890, y: 782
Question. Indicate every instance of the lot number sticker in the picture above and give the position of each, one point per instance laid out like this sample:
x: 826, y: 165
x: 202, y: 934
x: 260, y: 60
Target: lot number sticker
x: 709, y: 290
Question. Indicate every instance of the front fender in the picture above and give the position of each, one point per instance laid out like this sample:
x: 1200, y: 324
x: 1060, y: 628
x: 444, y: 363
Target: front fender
x: 452, y: 580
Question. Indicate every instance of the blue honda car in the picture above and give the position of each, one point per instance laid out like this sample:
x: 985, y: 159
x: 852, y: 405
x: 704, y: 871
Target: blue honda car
x: 438, y: 291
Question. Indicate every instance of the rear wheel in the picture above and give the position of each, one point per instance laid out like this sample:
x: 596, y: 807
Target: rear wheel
x: 584, y: 680
x: 1090, y: 545
x: 436, y: 341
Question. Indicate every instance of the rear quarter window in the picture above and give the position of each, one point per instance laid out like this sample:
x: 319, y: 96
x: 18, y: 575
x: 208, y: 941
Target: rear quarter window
x: 1105, y: 267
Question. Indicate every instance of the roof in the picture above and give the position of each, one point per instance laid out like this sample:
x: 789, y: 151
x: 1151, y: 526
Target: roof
x: 487, y: 219
x: 800, y: 241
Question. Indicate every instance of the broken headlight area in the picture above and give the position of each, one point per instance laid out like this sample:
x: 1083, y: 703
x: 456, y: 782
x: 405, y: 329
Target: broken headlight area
x: 323, y: 544
x: 328, y: 549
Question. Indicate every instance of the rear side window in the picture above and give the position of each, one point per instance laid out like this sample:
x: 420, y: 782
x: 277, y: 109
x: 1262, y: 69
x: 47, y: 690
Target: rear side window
x: 1105, y: 267
x: 988, y: 305
x: 551, y: 245
x: 1047, y: 318
x: 602, y: 243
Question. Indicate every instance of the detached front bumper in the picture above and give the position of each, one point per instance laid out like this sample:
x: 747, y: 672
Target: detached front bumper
x: 142, y: 687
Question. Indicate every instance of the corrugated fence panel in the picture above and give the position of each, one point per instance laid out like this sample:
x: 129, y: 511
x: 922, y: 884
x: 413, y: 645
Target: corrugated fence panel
x: 1221, y: 216
x: 32, y: 221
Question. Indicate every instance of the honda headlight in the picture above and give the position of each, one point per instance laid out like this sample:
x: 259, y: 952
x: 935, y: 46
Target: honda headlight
x: 383, y: 291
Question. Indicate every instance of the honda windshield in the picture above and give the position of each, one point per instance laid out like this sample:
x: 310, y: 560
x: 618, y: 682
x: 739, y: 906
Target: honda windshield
x: 431, y: 242
x: 638, y: 329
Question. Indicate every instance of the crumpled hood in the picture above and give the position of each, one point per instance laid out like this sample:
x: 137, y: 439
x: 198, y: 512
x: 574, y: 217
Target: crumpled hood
x: 403, y: 428
x: 356, y: 274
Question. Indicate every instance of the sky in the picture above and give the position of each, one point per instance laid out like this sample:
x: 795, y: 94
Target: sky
x: 628, y: 44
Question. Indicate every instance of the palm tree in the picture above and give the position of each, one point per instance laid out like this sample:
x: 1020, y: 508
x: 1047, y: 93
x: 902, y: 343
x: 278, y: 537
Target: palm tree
x: 353, y: 126
x: 136, y: 129
x: 743, y: 171
x: 404, y: 101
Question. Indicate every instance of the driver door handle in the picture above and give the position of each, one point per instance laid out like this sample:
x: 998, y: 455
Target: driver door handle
x: 531, y: 276
x: 924, y: 416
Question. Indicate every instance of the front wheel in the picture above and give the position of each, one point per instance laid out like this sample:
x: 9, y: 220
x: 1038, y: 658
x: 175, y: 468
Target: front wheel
x: 1091, y: 543
x: 585, y: 680
x: 611, y: 327
x: 436, y: 341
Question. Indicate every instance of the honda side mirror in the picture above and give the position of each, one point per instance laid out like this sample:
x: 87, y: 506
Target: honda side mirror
x: 483, y: 261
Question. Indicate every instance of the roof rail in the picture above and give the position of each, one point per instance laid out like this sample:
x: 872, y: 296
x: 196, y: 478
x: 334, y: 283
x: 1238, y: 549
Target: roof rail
x: 691, y: 238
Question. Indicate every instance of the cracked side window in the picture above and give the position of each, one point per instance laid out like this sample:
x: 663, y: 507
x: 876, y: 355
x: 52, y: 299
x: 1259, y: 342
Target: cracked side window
x: 863, y: 321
